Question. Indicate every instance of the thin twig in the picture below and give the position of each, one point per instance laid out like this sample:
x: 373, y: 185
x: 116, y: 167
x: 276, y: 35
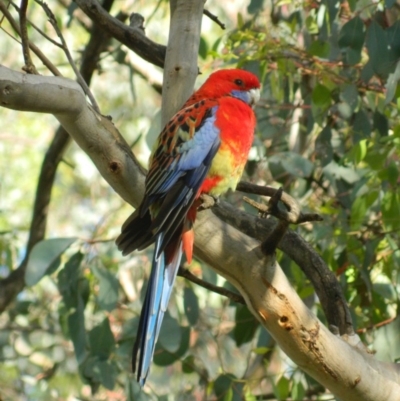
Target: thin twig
x: 293, y: 214
x: 29, y: 66
x: 214, y: 18
x: 32, y: 46
x: 376, y: 326
x: 79, y: 78
x: 37, y: 28
x: 326, y: 285
x: 14, y: 283
x: 219, y: 290
x: 266, y: 210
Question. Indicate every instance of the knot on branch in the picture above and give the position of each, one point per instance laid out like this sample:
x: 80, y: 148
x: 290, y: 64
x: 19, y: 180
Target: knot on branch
x: 136, y: 21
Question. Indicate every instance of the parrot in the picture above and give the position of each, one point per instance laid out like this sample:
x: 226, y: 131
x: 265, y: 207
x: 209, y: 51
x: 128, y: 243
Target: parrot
x: 203, y: 149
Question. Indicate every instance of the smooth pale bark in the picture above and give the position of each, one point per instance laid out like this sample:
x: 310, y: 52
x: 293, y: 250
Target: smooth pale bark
x: 95, y: 134
x: 349, y: 372
x: 180, y: 68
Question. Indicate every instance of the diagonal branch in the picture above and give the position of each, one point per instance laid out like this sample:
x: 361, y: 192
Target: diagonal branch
x: 214, y: 18
x: 211, y: 287
x: 346, y: 370
x: 323, y: 280
x: 132, y: 37
x: 53, y: 22
x: 15, y: 282
x: 32, y: 46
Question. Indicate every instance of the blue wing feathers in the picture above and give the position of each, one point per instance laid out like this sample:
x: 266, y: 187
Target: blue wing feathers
x: 177, y: 171
x: 145, y: 341
x: 158, y: 293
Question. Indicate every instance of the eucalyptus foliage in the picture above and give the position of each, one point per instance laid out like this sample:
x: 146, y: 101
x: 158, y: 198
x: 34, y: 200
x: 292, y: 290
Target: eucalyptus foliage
x: 328, y: 132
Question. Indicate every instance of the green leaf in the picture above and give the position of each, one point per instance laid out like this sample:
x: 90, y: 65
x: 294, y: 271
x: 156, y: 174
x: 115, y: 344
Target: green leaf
x: 361, y: 126
x: 255, y: 6
x: 352, y: 34
x: 191, y: 305
x: 391, y: 210
x: 359, y: 151
x: 349, y: 95
x: 165, y: 358
x: 367, y: 72
x: 170, y: 334
x: 321, y: 102
x: 319, y: 48
x: 99, y: 371
x: 43, y: 257
x: 348, y: 174
x: 261, y: 350
x: 108, y: 292
x: 360, y: 208
x: 76, y: 328
x: 101, y: 340
x: 351, y: 40
x: 376, y: 158
x: 378, y: 50
x: 321, y: 96
x: 392, y: 34
x: 281, y: 389
x: 216, y: 44
x: 188, y: 365
x: 312, y: 25
x: 203, y: 48
x: 381, y: 123
x: 323, y: 146
x: 240, y: 21
x: 228, y: 388
x: 386, y: 291
x: 22, y: 307
x: 130, y: 327
x: 392, y: 173
x: 391, y: 84
x: 298, y: 392
x: 133, y: 390
x: 246, y: 325
x: 68, y: 281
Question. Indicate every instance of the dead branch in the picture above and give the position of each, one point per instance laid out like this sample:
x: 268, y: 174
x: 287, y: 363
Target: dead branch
x: 214, y: 288
x: 32, y: 46
x: 29, y: 66
x: 15, y: 282
x: 133, y: 38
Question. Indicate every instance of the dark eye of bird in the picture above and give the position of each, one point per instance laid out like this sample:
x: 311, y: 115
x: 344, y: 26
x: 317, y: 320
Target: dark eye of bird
x: 238, y: 82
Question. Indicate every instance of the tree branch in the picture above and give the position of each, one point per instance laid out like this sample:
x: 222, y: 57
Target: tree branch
x: 322, y: 278
x: 15, y: 282
x: 132, y: 37
x: 53, y: 22
x: 342, y: 368
x: 218, y: 290
x: 29, y: 66
x: 347, y: 371
x: 214, y: 18
x: 292, y: 215
x: 32, y: 46
x: 181, y: 70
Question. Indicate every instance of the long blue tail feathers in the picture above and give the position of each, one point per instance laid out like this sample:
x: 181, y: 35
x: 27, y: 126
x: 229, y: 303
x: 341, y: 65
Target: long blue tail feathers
x: 158, y: 293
